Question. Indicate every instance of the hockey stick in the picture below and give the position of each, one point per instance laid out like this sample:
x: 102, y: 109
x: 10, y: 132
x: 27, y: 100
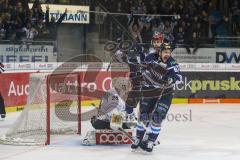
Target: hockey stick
x: 132, y: 139
x: 157, y: 142
x: 109, y: 65
x: 126, y: 134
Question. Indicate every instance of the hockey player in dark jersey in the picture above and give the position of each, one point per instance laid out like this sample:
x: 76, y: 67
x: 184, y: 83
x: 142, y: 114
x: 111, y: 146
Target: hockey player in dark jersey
x: 136, y: 57
x: 161, y: 72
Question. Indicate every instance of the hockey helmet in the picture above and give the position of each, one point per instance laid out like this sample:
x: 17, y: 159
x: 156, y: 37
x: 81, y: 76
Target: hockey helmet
x: 121, y: 83
x: 157, y: 39
x: 166, y: 46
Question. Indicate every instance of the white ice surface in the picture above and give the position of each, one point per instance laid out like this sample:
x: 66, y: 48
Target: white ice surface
x: 212, y: 133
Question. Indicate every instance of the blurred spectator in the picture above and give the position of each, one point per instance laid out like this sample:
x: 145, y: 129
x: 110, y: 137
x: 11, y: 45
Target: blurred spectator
x: 42, y: 29
x: 180, y: 38
x: 135, y: 29
x: 126, y: 6
x: 222, y: 32
x: 37, y: 12
x: 31, y: 32
x: 157, y: 28
x: 197, y: 37
x: 168, y: 28
x: 52, y: 25
x: 235, y: 15
x: 147, y: 32
x: 2, y: 29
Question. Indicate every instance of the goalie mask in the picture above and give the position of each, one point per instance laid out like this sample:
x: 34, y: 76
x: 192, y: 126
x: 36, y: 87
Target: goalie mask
x: 121, y: 84
x: 157, y: 39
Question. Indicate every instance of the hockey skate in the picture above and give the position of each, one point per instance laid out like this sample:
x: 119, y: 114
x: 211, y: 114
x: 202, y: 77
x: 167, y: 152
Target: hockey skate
x: 143, y: 145
x: 136, y: 143
x: 140, y: 142
x: 149, y: 146
x: 3, y: 116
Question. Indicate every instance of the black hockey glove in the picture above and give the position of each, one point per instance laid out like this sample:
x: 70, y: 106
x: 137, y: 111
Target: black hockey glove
x: 168, y: 80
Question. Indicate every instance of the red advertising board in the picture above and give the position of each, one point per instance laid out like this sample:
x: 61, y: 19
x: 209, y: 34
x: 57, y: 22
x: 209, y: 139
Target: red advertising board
x: 14, y: 86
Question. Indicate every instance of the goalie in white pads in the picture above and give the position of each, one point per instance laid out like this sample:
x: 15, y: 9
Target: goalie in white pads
x: 110, y: 116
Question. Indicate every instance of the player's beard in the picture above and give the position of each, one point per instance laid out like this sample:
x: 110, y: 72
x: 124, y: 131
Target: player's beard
x: 165, y: 58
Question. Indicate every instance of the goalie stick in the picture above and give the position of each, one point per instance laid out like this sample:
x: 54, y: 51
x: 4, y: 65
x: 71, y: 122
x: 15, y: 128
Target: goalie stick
x: 126, y: 134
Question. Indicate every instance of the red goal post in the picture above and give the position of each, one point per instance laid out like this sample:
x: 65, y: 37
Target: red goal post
x: 53, y: 108
x: 54, y: 79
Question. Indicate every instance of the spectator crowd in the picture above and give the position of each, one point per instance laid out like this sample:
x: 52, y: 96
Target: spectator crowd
x: 18, y: 22
x: 191, y: 22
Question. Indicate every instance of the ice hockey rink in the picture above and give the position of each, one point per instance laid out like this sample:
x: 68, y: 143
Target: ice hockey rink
x: 190, y: 132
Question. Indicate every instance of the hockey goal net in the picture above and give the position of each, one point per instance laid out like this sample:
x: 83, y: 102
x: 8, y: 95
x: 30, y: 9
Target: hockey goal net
x: 53, y: 108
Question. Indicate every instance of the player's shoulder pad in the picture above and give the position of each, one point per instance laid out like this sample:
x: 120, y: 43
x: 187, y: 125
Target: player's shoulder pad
x: 151, y: 57
x: 172, y: 62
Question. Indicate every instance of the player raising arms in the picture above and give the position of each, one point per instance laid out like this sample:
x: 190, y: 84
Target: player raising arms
x: 161, y: 72
x: 137, y: 57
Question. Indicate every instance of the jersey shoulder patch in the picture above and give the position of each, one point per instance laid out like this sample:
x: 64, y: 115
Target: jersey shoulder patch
x: 172, y: 62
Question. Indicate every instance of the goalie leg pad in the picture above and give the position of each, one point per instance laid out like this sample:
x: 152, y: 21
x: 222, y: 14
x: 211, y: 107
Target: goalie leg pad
x: 90, y: 138
x: 112, y: 137
x: 105, y: 136
x: 100, y: 124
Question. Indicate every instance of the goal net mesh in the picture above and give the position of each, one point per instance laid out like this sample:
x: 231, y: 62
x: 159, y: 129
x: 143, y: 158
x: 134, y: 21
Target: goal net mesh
x: 59, y: 93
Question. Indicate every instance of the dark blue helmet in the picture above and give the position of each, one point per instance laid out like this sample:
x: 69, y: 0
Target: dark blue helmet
x: 166, y: 46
